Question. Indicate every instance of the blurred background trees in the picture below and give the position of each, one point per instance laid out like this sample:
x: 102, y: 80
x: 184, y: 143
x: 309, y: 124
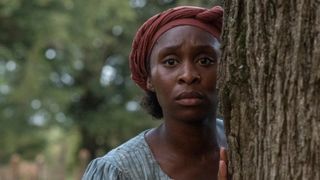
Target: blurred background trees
x: 65, y: 87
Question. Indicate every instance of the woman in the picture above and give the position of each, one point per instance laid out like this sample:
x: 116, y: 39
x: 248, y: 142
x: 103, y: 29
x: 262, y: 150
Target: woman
x: 174, y: 60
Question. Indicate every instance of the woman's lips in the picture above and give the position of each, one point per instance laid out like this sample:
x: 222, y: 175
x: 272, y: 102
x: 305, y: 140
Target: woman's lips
x: 191, y: 98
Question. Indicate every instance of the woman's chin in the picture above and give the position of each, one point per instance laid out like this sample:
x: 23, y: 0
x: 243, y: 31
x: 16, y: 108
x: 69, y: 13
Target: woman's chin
x: 195, y: 117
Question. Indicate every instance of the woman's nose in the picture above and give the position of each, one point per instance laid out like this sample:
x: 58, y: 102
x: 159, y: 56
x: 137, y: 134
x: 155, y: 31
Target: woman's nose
x: 189, y: 74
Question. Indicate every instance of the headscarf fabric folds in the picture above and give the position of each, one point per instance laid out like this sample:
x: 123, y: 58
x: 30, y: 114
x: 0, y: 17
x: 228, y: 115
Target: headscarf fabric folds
x: 209, y: 20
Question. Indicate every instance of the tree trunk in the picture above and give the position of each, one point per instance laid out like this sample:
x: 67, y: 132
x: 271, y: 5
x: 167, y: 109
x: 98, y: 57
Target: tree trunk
x: 270, y: 88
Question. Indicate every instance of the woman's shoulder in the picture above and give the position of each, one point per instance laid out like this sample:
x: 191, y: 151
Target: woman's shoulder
x: 121, y: 162
x: 101, y: 168
x: 133, y: 148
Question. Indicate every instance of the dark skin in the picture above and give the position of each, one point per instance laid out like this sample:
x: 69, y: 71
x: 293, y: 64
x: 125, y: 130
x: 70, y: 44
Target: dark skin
x: 184, y: 61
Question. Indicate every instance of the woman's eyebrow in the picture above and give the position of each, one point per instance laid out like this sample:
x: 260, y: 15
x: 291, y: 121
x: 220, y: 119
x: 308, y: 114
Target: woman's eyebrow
x: 204, y: 47
x: 175, y: 47
x: 167, y: 49
x: 207, y: 49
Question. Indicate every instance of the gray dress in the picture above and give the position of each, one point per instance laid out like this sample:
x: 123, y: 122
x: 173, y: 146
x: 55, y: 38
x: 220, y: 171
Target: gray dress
x: 132, y: 160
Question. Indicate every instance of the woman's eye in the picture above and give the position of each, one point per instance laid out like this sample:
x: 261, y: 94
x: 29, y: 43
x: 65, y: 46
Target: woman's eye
x: 206, y: 61
x: 170, y: 62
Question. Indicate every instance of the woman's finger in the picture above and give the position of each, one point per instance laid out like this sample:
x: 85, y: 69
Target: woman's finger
x: 222, y: 174
x: 223, y: 168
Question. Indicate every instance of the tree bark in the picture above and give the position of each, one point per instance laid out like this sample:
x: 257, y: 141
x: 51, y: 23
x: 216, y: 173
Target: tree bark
x: 270, y: 88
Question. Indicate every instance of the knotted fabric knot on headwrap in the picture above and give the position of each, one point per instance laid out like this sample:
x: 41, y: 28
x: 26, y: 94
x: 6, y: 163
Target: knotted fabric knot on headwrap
x: 209, y: 20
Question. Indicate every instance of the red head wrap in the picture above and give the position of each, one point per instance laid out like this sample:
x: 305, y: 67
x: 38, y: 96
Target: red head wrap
x: 209, y: 20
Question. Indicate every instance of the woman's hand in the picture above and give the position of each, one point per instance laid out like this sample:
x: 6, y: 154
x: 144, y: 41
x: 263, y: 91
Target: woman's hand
x: 223, y: 174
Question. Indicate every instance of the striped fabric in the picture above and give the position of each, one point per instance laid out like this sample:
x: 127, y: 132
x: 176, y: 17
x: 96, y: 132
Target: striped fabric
x: 133, y: 160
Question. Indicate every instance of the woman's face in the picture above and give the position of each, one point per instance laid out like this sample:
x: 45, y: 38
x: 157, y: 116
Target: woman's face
x: 183, y: 73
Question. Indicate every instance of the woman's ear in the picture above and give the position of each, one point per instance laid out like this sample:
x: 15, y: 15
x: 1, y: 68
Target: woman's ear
x: 149, y: 85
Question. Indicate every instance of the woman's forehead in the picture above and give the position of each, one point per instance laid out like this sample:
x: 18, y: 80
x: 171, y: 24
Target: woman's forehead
x: 179, y: 35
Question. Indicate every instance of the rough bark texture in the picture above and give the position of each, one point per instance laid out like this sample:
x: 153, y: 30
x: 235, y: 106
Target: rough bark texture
x: 270, y: 88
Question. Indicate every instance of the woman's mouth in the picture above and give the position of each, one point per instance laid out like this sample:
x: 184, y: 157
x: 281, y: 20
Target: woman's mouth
x: 191, y: 98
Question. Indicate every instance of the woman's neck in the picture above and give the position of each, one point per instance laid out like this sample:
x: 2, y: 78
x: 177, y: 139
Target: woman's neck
x: 189, y: 138
x: 185, y: 150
